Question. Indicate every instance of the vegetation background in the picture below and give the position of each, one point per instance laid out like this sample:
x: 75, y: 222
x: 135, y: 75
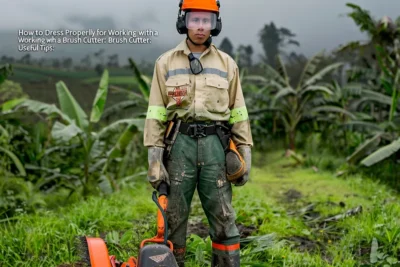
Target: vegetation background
x: 324, y: 186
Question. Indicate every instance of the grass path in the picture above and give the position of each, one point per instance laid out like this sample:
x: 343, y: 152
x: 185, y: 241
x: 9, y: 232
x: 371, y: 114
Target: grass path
x: 292, y: 209
x: 299, y: 223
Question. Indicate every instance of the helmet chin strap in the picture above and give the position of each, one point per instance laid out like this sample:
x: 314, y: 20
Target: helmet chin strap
x: 207, y: 43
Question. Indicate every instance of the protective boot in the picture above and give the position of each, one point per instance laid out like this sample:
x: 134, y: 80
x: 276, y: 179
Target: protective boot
x: 225, y: 260
x: 179, y: 254
x: 225, y: 255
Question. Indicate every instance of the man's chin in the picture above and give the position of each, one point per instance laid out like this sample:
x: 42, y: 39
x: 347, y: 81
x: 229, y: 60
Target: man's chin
x: 199, y: 40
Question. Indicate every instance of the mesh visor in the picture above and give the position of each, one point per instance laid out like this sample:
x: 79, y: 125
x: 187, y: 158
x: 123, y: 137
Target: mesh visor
x: 201, y: 20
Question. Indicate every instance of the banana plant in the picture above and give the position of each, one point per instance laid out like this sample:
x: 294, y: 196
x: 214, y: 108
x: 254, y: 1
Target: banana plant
x: 369, y: 151
x: 139, y: 101
x: 293, y: 104
x: 73, y: 124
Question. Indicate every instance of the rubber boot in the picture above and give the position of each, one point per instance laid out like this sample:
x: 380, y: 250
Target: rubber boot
x: 179, y: 254
x: 225, y: 260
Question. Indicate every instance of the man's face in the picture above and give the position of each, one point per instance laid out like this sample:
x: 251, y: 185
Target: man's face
x: 199, y: 25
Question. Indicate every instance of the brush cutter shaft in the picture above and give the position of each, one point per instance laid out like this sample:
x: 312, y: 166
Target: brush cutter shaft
x: 160, y: 219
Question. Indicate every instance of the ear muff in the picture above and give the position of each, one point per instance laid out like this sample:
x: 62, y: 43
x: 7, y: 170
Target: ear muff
x: 218, y: 27
x: 181, y: 25
x: 180, y: 21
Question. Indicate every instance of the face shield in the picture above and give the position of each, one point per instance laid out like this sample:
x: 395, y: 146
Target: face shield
x: 201, y: 20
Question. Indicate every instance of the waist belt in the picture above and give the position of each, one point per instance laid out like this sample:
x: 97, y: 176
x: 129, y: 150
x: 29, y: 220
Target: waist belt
x: 199, y: 130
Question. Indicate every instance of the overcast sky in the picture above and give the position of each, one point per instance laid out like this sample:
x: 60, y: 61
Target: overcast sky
x: 317, y: 23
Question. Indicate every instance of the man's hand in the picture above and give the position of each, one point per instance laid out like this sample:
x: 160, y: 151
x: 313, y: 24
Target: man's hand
x: 245, y: 152
x: 156, y: 172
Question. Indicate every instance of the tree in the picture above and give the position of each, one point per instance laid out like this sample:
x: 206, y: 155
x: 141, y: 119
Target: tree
x: 245, y: 54
x: 226, y: 46
x: 67, y: 63
x: 86, y: 62
x: 56, y: 63
x: 26, y: 59
x: 99, y: 68
x: 113, y: 61
x: 273, y: 40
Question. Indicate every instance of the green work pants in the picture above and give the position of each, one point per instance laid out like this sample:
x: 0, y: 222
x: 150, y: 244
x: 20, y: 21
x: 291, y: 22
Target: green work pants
x: 200, y: 163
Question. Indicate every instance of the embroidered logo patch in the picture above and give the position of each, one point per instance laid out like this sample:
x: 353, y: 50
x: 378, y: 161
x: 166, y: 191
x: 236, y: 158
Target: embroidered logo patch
x: 178, y: 94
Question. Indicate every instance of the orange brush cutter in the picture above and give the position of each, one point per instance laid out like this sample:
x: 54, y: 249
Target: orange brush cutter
x: 154, y: 255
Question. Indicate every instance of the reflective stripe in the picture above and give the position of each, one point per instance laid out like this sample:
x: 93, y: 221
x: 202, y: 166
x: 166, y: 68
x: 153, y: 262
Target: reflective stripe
x: 238, y: 114
x: 157, y: 112
x: 176, y: 72
x: 226, y: 247
x: 221, y: 73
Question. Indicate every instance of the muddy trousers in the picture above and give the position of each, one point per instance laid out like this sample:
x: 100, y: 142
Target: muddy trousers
x: 199, y: 163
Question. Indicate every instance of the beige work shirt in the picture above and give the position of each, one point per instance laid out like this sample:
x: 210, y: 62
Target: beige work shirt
x: 213, y: 95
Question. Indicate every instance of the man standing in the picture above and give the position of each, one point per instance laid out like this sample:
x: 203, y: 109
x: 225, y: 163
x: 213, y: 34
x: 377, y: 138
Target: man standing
x: 197, y: 87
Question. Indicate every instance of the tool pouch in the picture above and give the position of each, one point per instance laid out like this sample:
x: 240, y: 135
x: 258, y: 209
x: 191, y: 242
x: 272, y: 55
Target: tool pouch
x: 170, y: 136
x: 235, y: 164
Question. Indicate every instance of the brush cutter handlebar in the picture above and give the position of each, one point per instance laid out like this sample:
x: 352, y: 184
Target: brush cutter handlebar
x: 162, y: 225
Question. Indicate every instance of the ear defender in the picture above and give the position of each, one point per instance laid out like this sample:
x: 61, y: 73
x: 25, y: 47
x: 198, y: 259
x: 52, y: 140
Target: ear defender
x: 180, y: 22
x: 218, y: 27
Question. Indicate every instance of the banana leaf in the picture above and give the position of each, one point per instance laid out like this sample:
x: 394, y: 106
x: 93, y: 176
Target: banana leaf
x: 273, y: 75
x: 329, y: 109
x: 282, y: 70
x: 16, y: 161
x: 100, y: 99
x: 70, y: 106
x: 119, y: 107
x: 364, y: 149
x: 10, y: 104
x: 65, y: 132
x: 382, y: 153
x: 316, y: 88
x: 115, y: 126
x: 310, y: 68
x: 319, y: 75
x: 282, y: 93
x: 39, y: 107
x: 364, y: 124
x: 143, y: 86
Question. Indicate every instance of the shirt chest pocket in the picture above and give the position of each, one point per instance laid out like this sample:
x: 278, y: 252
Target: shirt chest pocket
x: 179, y: 92
x: 217, y: 95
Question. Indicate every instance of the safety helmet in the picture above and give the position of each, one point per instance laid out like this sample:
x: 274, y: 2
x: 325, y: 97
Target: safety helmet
x: 209, y: 5
x: 187, y: 6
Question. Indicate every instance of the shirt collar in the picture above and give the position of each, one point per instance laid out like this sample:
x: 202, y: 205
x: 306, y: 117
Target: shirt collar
x: 182, y: 46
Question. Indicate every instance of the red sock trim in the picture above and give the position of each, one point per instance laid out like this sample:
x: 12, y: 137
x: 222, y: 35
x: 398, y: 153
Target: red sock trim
x: 226, y: 247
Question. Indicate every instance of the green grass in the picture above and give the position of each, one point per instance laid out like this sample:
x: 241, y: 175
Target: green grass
x: 344, y: 243
x: 48, y: 238
x: 28, y: 76
x: 272, y: 202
